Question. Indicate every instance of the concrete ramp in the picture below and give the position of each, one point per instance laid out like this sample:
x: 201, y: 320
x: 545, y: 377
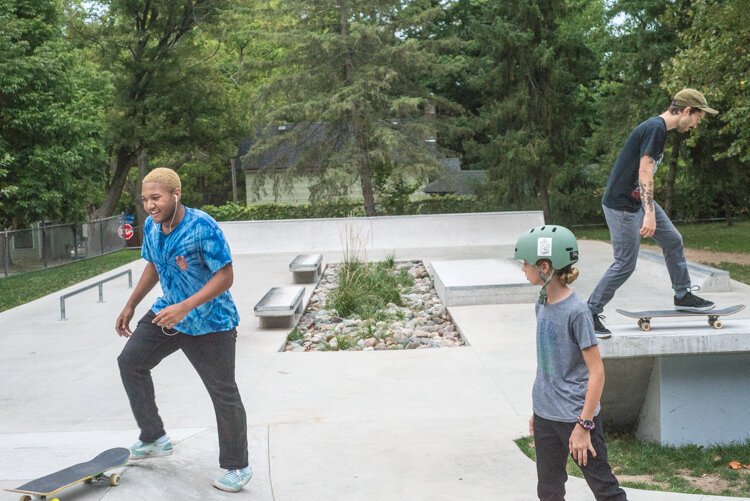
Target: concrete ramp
x: 186, y: 474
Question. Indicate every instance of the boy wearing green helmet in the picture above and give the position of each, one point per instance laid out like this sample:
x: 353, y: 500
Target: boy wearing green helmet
x: 570, y: 373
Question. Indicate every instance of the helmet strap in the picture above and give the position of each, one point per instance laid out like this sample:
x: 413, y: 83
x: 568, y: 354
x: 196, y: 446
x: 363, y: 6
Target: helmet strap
x: 543, y: 291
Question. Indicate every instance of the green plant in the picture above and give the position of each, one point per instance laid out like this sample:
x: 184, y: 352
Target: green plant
x: 439, y: 204
x: 295, y: 335
x: 364, y: 289
x: 345, y: 342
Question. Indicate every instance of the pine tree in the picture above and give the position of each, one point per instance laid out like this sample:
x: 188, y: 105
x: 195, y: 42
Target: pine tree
x: 348, y: 74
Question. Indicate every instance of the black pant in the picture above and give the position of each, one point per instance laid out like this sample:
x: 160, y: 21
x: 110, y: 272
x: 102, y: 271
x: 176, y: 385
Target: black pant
x: 212, y: 356
x: 551, y: 443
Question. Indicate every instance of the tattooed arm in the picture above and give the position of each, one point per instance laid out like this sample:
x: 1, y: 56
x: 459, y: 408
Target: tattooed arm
x: 646, y: 185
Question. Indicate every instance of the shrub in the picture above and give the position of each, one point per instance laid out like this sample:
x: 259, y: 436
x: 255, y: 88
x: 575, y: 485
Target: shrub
x: 445, y: 204
x: 364, y: 289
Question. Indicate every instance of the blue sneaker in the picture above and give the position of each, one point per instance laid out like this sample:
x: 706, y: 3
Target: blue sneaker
x: 234, y: 480
x: 145, y: 450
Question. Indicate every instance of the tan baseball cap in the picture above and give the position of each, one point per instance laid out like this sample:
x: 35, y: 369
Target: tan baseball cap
x: 694, y: 99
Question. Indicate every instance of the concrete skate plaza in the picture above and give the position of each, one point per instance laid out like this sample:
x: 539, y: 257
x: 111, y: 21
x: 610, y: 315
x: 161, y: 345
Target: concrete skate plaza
x: 434, y: 424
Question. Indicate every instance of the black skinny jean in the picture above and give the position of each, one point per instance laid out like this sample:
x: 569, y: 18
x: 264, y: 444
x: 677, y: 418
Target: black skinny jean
x: 213, y: 357
x: 551, y: 443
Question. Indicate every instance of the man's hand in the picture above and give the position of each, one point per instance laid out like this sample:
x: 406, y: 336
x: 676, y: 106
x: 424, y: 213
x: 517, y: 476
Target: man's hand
x: 531, y: 425
x: 171, y: 315
x: 580, y: 445
x: 649, y: 224
x: 122, y: 324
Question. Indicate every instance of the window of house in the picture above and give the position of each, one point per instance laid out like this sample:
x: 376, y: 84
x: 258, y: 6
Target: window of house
x: 23, y: 240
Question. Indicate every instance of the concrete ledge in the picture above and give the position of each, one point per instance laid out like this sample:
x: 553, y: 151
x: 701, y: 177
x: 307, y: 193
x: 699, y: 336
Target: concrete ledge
x: 678, y: 338
x: 709, y: 279
x: 382, y: 232
x: 466, y: 282
x: 683, y: 383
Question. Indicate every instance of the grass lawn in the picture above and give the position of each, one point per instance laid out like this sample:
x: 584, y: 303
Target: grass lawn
x: 690, y: 469
x: 709, y: 236
x: 16, y: 290
x: 716, y: 237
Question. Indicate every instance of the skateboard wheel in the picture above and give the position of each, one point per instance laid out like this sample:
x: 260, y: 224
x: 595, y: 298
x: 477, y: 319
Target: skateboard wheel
x: 646, y: 326
x: 718, y: 324
x: 88, y: 480
x: 25, y: 498
x: 114, y: 479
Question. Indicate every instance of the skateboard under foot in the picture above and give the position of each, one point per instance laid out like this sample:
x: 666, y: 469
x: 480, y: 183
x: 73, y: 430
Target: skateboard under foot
x: 644, y: 317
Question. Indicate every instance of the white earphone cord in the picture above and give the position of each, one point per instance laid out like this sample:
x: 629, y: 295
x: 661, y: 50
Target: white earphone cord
x: 174, y: 213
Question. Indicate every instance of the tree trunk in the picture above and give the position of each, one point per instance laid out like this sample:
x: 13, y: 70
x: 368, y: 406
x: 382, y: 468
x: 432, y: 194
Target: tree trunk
x: 672, y: 175
x: 365, y: 176
x: 142, y: 171
x: 365, y: 179
x: 125, y: 160
x: 544, y: 199
x: 727, y: 205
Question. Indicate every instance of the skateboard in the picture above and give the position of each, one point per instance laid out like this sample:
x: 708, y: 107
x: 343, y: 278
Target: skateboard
x: 644, y: 317
x: 87, y: 472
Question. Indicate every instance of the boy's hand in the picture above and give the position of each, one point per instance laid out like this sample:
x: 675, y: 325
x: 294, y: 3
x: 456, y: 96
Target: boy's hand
x: 122, y: 324
x: 580, y: 445
x: 171, y: 315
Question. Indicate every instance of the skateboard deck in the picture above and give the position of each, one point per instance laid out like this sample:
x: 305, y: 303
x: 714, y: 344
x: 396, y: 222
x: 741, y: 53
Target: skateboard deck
x: 83, y: 472
x: 644, y: 317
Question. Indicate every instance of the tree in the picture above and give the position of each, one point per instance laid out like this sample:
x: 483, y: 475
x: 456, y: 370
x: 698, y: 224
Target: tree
x: 529, y: 75
x: 170, y: 100
x: 51, y: 120
x: 716, y: 59
x: 350, y: 83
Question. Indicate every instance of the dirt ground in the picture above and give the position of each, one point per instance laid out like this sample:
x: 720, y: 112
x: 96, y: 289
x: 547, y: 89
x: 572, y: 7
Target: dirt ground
x: 710, y: 484
x: 709, y: 257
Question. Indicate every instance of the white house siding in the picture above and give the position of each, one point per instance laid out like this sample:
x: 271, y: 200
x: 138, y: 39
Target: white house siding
x: 298, y: 195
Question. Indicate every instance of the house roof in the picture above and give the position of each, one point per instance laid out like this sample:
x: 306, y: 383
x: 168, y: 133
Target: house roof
x: 457, y: 183
x: 284, y: 153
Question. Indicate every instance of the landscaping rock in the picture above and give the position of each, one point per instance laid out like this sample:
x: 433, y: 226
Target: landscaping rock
x: 422, y: 322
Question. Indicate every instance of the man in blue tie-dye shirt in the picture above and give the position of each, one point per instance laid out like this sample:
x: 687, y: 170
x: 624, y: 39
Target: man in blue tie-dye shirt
x: 188, y: 255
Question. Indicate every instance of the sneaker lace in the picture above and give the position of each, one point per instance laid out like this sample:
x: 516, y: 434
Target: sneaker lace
x: 694, y: 288
x: 233, y: 476
x: 601, y: 317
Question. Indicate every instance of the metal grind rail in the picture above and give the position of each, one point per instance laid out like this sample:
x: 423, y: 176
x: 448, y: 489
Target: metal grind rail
x: 99, y: 284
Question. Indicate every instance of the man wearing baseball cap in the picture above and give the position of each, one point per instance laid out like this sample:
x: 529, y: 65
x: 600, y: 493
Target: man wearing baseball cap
x: 632, y: 213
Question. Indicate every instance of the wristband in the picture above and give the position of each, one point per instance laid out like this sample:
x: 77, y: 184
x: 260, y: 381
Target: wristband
x: 586, y: 424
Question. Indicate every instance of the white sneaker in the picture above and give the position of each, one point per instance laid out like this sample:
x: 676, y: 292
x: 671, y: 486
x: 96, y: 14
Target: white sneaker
x: 234, y: 480
x: 145, y: 450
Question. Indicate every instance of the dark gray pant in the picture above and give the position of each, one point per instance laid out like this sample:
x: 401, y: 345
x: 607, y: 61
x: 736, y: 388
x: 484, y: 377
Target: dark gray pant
x: 212, y: 356
x: 624, y: 232
x: 551, y: 444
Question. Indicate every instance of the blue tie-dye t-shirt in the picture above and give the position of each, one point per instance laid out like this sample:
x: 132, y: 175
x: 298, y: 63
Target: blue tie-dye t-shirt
x: 563, y: 331
x: 186, y: 259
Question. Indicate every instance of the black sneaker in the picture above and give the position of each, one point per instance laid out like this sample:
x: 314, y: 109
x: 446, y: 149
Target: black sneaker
x: 692, y: 302
x: 601, y: 331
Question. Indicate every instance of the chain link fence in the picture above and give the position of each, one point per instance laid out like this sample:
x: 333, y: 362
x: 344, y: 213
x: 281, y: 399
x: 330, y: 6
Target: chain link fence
x: 44, y: 246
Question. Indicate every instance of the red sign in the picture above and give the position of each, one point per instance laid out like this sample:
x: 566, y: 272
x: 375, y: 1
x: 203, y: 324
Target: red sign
x: 125, y: 231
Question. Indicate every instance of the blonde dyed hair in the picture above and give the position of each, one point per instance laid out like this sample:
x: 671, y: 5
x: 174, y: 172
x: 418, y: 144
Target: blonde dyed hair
x: 165, y: 177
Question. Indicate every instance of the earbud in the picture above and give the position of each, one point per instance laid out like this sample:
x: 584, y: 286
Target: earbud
x: 176, y: 199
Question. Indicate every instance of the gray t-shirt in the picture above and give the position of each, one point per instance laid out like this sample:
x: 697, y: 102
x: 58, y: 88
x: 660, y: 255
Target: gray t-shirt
x: 563, y: 330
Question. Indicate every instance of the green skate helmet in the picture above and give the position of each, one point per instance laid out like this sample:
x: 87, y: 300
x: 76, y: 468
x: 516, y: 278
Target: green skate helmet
x: 555, y: 243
